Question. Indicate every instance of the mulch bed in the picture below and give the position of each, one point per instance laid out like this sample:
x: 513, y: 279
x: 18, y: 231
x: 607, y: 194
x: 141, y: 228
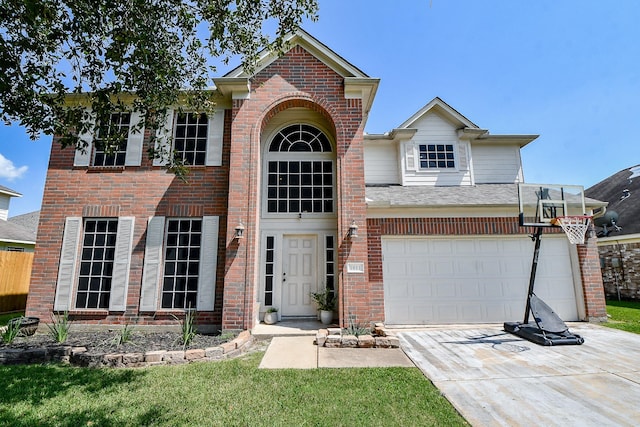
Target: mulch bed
x: 104, y: 342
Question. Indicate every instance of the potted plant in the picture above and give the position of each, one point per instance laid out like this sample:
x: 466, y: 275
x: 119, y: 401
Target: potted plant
x: 325, y: 301
x: 271, y: 316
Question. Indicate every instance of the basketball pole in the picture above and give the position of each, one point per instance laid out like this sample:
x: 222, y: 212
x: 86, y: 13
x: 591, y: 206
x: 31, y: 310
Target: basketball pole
x: 532, y: 278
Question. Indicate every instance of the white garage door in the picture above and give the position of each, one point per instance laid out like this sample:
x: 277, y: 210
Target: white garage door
x: 473, y: 279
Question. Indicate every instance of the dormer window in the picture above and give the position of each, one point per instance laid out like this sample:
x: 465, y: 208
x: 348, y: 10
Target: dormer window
x: 436, y: 156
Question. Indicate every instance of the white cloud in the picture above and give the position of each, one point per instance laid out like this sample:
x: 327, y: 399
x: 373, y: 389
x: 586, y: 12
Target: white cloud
x: 8, y: 169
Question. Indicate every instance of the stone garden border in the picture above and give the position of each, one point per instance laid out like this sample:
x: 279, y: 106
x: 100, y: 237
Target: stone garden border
x: 336, y: 338
x: 78, y: 356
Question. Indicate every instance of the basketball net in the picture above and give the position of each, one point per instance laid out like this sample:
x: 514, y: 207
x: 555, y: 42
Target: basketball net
x: 574, y: 226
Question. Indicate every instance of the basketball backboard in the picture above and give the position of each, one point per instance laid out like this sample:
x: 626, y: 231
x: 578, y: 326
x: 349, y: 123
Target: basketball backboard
x: 539, y: 204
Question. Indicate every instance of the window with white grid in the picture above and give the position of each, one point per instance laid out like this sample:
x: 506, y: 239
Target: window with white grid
x: 300, y: 138
x: 111, y: 141
x: 436, y: 156
x: 269, y: 273
x: 300, y: 186
x: 96, y: 263
x: 181, y: 263
x: 190, y: 137
x: 330, y: 265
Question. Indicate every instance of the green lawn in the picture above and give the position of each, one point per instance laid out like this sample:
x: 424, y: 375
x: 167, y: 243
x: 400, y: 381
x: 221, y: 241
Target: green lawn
x: 231, y: 393
x: 4, y: 318
x: 625, y: 315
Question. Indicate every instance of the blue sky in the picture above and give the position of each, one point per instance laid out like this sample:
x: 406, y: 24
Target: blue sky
x: 566, y: 70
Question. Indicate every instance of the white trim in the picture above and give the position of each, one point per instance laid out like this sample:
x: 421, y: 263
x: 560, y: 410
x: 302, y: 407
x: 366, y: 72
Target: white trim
x: 164, y: 136
x: 121, y: 264
x: 84, y: 157
x: 619, y: 239
x: 208, y: 263
x: 152, y: 268
x: 67, y: 266
x: 135, y: 140
x: 215, y: 138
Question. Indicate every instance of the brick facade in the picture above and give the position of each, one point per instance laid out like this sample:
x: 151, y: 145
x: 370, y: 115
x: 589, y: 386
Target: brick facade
x: 297, y: 81
x: 292, y: 82
x: 140, y: 192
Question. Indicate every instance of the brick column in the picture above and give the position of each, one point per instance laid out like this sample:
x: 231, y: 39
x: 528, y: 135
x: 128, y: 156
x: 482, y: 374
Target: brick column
x: 356, y: 299
x: 239, y: 286
x: 592, y: 285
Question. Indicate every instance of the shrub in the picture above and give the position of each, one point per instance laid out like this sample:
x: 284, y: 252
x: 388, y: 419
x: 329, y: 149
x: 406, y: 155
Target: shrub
x: 59, y: 327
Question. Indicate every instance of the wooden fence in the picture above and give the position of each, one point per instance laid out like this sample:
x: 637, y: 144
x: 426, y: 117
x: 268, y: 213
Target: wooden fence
x: 15, y: 275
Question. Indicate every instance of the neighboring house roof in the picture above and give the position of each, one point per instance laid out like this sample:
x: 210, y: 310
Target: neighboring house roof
x: 14, y: 233
x: 28, y: 221
x: 625, y: 203
x: 9, y: 192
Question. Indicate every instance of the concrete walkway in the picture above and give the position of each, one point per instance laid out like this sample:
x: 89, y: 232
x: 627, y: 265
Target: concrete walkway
x: 299, y: 352
x: 497, y: 379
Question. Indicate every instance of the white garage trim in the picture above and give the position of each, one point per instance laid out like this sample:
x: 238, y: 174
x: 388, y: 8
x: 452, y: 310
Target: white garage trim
x: 476, y: 279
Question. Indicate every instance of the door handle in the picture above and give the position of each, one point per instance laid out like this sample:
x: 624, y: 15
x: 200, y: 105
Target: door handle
x: 284, y: 277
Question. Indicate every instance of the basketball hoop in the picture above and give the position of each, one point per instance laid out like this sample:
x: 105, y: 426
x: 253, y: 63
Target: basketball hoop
x: 574, y: 226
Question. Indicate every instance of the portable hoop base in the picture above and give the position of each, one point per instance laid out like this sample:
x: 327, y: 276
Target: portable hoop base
x: 574, y: 226
x: 547, y: 328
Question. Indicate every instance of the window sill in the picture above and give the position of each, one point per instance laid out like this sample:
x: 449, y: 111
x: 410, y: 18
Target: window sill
x: 105, y: 168
x: 87, y: 314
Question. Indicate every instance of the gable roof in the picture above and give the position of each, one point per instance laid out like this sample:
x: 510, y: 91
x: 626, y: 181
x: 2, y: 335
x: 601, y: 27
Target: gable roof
x: 314, y: 47
x: 14, y: 233
x: 29, y: 221
x: 611, y: 190
x: 9, y: 192
x: 437, y: 104
x: 357, y: 84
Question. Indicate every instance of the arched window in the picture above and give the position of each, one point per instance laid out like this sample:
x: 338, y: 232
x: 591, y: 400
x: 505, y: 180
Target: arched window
x: 300, y: 181
x: 300, y: 138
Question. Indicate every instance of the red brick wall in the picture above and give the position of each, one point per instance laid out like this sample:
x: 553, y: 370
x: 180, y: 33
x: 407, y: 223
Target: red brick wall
x: 131, y: 191
x: 593, y: 288
x: 293, y: 81
x: 378, y: 227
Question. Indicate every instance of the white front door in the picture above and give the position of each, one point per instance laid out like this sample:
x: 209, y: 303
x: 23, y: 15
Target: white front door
x: 299, y: 275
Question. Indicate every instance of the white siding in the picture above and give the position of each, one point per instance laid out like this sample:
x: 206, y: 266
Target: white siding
x: 381, y: 163
x: 434, y: 129
x: 4, y: 207
x: 496, y: 164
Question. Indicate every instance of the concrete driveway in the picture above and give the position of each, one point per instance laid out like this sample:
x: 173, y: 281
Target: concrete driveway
x: 497, y: 379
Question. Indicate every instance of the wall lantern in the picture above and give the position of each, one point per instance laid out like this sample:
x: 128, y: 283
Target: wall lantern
x: 239, y: 234
x: 353, y: 230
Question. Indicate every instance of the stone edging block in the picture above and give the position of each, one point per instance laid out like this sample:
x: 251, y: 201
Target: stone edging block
x: 78, y: 356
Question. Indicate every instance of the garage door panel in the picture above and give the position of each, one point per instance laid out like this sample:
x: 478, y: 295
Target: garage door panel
x: 465, y: 267
x: 422, y: 289
x: 398, y: 291
x: 472, y: 280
